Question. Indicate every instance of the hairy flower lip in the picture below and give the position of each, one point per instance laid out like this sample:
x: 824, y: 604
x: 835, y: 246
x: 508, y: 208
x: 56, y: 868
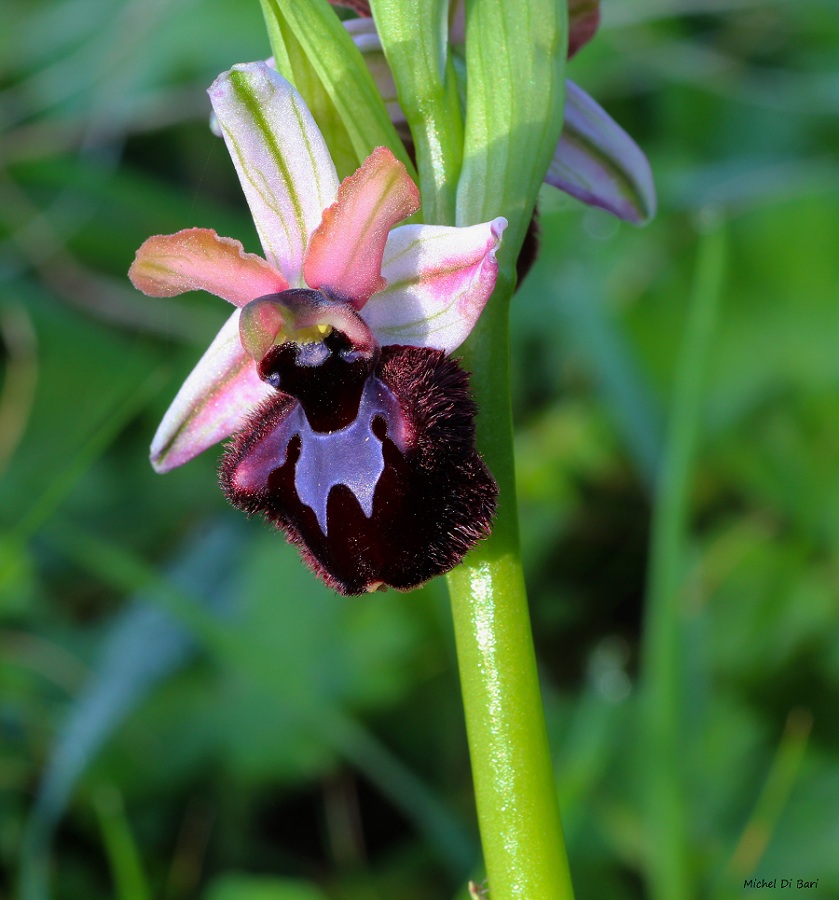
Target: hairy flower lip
x: 433, y: 497
x: 415, y: 285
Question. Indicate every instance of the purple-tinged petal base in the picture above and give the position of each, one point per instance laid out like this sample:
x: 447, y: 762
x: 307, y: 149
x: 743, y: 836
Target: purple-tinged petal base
x: 302, y: 316
x: 262, y: 321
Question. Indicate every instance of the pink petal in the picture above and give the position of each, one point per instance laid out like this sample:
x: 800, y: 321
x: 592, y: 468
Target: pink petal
x: 345, y: 253
x: 212, y: 403
x: 198, y: 259
x: 439, y: 280
x: 281, y: 158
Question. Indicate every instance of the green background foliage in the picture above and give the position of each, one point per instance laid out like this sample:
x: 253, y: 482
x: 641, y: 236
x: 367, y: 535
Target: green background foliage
x: 185, y: 712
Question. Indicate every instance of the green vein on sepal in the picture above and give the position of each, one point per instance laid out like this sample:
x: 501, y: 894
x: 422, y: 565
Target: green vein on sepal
x: 241, y: 87
x: 292, y: 63
x: 341, y: 70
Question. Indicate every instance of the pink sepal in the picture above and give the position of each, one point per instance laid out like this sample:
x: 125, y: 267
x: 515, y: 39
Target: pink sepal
x: 212, y: 403
x: 197, y: 259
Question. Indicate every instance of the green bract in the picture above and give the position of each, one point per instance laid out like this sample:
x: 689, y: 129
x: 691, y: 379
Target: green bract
x: 515, y: 65
x: 340, y: 68
x: 418, y: 55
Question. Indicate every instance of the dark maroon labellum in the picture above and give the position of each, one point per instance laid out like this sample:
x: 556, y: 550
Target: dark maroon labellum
x: 368, y: 463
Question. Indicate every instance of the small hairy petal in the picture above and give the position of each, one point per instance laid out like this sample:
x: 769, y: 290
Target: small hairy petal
x: 439, y: 279
x: 345, y: 254
x: 431, y: 499
x: 197, y: 259
x: 597, y: 162
x: 214, y: 401
x: 281, y: 158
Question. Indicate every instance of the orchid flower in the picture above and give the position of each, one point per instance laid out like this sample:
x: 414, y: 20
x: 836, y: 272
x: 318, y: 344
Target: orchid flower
x: 353, y: 428
x: 595, y: 161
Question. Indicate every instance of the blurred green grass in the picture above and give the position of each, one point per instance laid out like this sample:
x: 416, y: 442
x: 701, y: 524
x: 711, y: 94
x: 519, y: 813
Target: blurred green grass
x: 298, y: 746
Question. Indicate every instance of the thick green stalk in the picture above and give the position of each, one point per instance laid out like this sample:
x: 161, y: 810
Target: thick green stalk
x: 662, y: 673
x: 518, y: 814
x: 515, y: 64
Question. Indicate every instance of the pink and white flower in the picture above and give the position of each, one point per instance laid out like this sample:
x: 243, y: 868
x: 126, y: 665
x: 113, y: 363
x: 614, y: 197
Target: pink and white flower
x: 333, y: 371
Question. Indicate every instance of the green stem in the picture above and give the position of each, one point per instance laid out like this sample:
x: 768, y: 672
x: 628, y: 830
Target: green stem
x: 662, y: 672
x: 518, y: 813
x: 121, y: 848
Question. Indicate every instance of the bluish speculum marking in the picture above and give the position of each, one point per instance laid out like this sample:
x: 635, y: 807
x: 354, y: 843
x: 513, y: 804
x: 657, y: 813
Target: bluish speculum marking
x: 342, y: 416
x: 351, y: 456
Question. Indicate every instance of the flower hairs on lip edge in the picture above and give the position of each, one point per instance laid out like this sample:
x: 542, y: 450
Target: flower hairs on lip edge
x: 353, y: 428
x: 431, y: 503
